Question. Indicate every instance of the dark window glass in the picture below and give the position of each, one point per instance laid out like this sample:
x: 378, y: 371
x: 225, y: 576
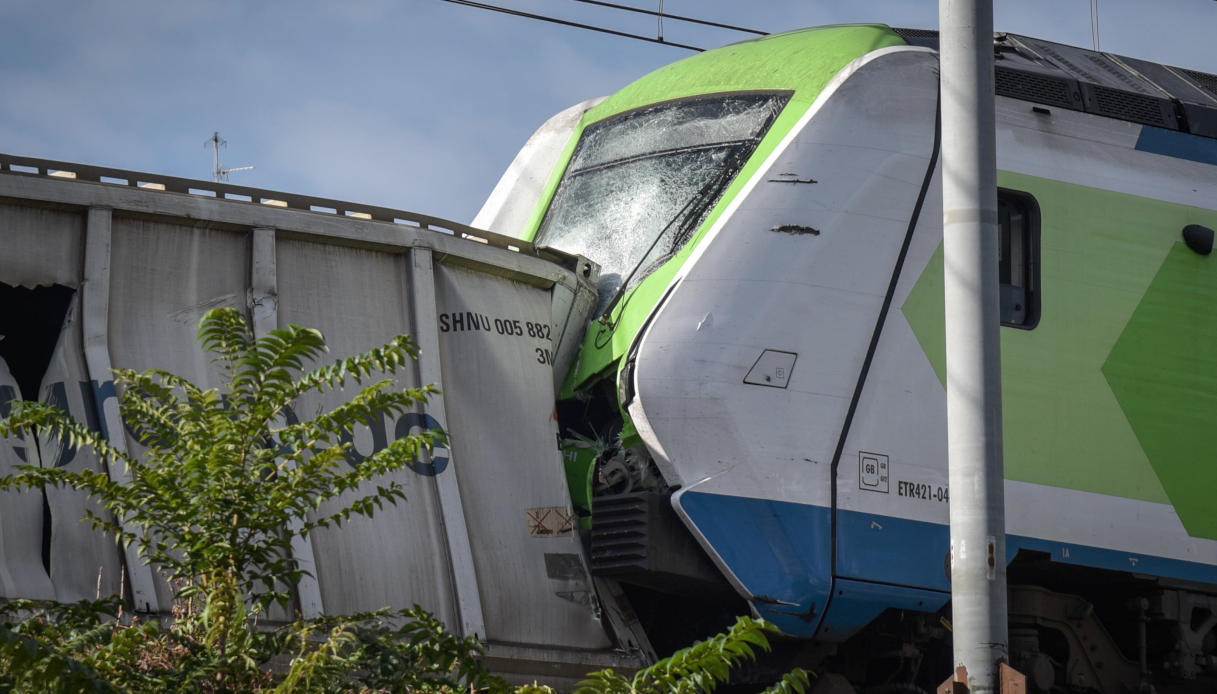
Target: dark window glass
x: 1018, y: 258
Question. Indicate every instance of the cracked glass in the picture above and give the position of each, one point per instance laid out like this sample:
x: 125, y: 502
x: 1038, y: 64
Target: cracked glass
x: 640, y: 184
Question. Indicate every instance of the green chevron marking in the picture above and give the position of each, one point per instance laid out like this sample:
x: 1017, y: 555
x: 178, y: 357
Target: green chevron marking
x: 1163, y: 371
x: 1114, y: 282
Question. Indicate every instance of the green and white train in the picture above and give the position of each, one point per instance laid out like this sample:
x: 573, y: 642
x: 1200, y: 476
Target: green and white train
x: 769, y: 363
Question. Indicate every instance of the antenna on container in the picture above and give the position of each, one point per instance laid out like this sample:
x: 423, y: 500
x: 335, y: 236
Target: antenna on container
x: 216, y: 142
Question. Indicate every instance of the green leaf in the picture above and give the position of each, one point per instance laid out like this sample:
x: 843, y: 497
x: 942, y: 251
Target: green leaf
x: 227, y: 481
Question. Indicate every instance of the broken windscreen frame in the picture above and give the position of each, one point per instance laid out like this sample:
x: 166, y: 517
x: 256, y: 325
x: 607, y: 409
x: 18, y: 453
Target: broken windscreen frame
x: 639, y: 184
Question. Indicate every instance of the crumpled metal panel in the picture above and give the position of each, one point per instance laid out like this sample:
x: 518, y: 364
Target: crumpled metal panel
x: 84, y: 562
x: 357, y: 298
x: 498, y: 391
x: 40, y: 246
x: 21, y: 572
x: 160, y: 261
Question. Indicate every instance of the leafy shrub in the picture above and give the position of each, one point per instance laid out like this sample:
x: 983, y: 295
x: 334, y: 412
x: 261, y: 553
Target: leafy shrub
x: 701, y: 667
x: 227, y: 482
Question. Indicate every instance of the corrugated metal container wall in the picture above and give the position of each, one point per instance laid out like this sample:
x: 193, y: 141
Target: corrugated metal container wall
x: 485, y: 539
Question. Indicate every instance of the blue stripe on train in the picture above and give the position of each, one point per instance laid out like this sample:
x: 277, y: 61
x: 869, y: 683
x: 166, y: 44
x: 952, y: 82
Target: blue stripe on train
x: 1171, y: 143
x: 892, y: 550
x: 781, y: 553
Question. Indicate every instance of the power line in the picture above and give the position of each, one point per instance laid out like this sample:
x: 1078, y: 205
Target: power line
x: 1094, y: 23
x: 577, y: 25
x: 664, y: 15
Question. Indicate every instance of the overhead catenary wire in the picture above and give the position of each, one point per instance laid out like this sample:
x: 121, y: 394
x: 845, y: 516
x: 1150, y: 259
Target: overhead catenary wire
x: 664, y: 15
x: 1094, y: 23
x: 577, y: 25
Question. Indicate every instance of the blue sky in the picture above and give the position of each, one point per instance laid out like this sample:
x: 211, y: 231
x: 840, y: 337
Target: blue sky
x: 413, y: 104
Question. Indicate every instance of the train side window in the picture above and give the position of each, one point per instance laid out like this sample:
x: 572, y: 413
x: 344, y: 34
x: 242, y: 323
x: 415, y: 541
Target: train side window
x: 1019, y: 258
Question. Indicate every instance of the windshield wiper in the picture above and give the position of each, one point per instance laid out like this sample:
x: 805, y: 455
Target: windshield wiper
x: 689, y: 217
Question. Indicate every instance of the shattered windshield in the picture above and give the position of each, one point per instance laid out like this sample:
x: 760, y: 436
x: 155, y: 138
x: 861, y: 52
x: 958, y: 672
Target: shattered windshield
x: 640, y: 184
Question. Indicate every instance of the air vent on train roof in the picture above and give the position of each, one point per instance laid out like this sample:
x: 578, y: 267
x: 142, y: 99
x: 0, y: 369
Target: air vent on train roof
x: 1104, y: 84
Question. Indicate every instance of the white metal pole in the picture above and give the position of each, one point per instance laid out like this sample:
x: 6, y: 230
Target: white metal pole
x: 974, y: 426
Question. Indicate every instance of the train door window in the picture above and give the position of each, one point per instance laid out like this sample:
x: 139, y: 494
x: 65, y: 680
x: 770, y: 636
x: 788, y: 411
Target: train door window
x: 1018, y: 258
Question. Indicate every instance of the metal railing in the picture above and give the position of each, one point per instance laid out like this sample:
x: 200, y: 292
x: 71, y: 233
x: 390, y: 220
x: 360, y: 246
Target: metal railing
x: 46, y: 168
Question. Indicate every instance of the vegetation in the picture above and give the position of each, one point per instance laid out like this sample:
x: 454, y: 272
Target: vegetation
x: 700, y: 667
x: 230, y: 478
